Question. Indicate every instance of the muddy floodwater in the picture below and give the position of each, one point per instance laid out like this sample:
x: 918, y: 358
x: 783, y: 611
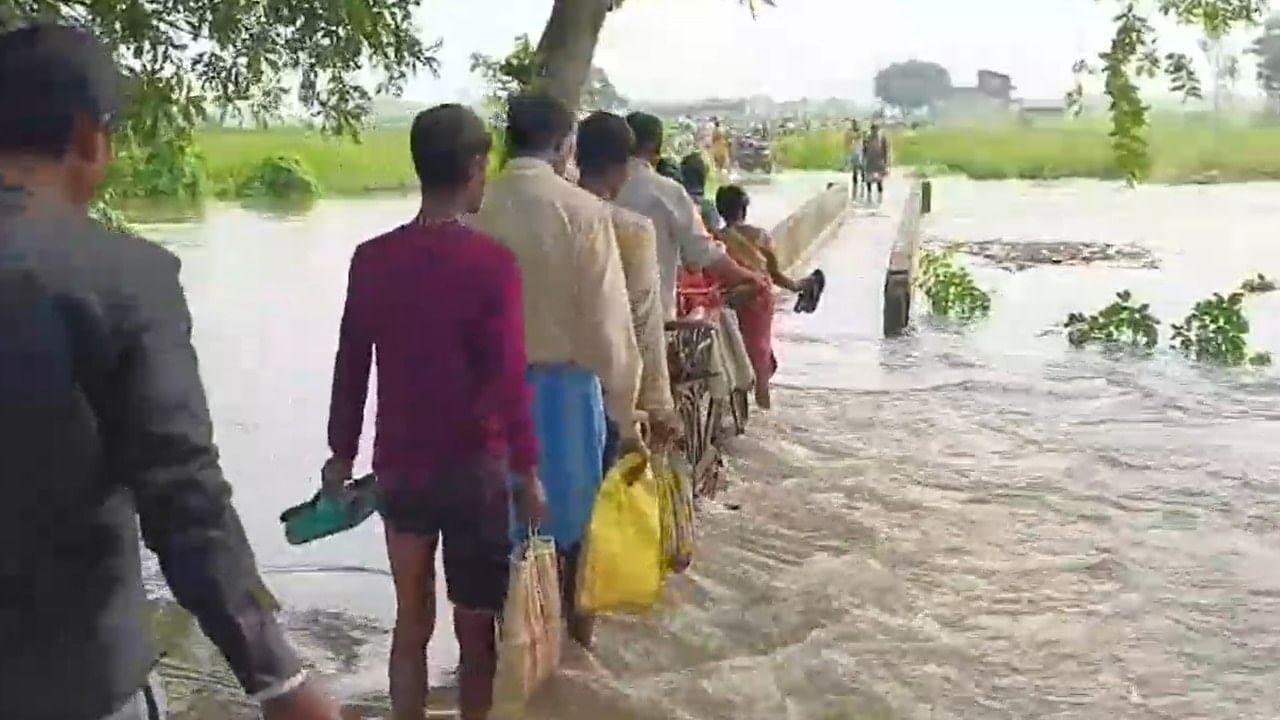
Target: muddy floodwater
x: 959, y: 524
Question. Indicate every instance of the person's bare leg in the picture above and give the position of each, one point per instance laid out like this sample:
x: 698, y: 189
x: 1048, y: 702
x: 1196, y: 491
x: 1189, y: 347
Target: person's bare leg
x: 581, y: 626
x: 478, y: 647
x: 413, y: 569
x: 763, y: 400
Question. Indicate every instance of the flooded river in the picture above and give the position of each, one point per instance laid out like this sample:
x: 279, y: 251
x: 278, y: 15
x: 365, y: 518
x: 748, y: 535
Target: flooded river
x: 977, y: 524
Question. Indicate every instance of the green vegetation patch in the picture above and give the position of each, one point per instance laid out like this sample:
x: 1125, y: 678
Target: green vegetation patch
x: 950, y: 288
x: 283, y: 177
x: 1122, y: 324
x: 378, y: 161
x: 1181, y: 151
x: 814, y: 150
x: 1216, y: 330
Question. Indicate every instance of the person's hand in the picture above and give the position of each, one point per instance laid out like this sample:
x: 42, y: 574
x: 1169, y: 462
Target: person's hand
x: 305, y: 703
x: 632, y: 443
x: 531, y: 500
x: 334, y: 475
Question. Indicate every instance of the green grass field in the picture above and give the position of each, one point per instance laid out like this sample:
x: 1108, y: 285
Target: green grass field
x: 378, y: 162
x: 1180, y: 152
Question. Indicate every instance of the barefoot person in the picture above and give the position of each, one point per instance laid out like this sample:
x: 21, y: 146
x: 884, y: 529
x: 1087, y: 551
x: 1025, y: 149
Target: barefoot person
x: 441, y: 304
x: 752, y: 247
x: 578, y: 325
x: 604, y: 148
x: 875, y: 154
x: 857, y: 163
x: 104, y: 427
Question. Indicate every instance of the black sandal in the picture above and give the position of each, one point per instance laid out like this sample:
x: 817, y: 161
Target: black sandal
x: 811, y: 293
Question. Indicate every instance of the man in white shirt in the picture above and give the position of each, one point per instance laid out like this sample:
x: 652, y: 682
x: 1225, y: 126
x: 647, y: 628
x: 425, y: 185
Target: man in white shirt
x: 682, y: 236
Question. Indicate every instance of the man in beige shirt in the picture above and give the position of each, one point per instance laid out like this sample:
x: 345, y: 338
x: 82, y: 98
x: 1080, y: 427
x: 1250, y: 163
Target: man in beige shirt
x: 578, y: 331
x: 604, y: 146
x: 576, y: 305
x: 683, y: 239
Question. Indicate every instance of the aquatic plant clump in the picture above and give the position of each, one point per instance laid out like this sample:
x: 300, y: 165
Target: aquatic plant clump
x: 1123, y: 323
x: 1216, y: 331
x: 279, y: 177
x: 950, y: 288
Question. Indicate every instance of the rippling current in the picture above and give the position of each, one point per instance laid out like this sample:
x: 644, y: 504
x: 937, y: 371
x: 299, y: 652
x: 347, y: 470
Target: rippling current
x: 962, y: 524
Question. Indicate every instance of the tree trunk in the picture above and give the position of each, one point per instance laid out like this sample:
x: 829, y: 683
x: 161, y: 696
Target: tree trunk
x: 567, y: 46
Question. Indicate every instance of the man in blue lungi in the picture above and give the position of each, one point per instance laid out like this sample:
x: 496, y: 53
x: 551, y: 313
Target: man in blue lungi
x: 582, y: 351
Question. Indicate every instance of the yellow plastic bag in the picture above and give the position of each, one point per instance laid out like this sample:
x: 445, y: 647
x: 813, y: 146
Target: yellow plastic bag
x: 675, y: 497
x: 529, y: 632
x: 621, y: 567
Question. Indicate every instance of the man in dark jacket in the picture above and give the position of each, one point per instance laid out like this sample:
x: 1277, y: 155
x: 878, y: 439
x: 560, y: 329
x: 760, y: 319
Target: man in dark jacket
x: 103, y: 422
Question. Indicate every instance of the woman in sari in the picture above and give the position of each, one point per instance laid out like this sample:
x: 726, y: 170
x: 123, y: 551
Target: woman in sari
x: 752, y: 247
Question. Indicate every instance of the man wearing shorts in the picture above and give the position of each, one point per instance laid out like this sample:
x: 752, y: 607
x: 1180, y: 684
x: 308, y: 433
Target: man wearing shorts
x: 442, y: 304
x: 875, y: 158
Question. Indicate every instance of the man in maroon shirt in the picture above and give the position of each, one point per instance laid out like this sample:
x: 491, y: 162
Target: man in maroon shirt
x: 442, y: 305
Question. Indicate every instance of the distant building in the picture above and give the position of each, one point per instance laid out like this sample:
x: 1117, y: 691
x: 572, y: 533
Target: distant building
x: 989, y: 101
x: 1033, y: 112
x: 995, y: 85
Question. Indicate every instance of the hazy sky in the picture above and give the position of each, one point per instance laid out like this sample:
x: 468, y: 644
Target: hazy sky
x: 681, y: 49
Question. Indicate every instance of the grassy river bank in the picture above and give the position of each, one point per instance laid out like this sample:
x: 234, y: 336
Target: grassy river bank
x: 1181, y: 152
x: 292, y: 163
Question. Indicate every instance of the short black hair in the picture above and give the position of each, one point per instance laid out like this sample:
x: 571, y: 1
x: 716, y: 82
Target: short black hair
x: 648, y: 130
x: 605, y: 141
x: 694, y: 172
x: 732, y: 202
x: 444, y: 141
x: 667, y: 168
x: 537, y: 124
x: 50, y: 75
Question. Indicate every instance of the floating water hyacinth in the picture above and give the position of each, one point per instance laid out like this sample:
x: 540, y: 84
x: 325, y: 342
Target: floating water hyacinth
x: 950, y: 288
x: 1123, y: 323
x: 1216, y: 331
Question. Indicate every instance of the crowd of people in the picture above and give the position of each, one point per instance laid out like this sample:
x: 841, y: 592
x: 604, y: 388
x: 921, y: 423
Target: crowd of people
x: 518, y: 328
x: 866, y: 145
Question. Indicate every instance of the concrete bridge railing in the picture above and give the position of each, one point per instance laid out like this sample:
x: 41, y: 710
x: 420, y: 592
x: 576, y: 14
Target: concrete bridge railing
x: 900, y: 275
x: 797, y: 236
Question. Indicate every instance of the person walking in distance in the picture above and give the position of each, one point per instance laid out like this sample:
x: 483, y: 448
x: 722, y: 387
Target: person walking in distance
x: 857, y: 164
x: 875, y: 154
x: 104, y: 427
